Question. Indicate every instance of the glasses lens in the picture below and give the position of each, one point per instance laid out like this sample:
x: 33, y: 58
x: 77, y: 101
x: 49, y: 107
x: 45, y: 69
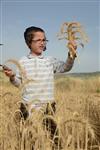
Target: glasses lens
x: 39, y: 41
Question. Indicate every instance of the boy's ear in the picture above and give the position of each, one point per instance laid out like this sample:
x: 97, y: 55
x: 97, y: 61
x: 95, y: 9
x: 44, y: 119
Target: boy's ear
x: 45, y: 48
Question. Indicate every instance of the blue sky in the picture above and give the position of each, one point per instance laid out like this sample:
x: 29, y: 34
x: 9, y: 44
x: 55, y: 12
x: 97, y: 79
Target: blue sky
x: 16, y: 16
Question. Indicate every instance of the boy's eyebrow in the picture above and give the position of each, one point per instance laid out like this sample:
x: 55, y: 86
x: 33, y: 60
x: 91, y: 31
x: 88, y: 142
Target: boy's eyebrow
x: 40, y: 39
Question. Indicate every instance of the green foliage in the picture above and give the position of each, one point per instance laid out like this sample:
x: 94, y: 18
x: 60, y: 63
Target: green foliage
x: 98, y: 90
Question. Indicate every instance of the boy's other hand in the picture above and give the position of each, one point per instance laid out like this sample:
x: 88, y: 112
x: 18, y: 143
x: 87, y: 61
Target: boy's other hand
x: 8, y: 71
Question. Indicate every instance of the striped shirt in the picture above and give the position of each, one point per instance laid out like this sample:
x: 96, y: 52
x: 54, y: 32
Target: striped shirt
x: 41, y: 70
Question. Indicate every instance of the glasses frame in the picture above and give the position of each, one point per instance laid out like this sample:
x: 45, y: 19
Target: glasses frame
x: 40, y: 40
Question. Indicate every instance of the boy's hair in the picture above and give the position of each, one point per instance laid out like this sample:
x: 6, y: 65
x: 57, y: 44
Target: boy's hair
x: 29, y: 34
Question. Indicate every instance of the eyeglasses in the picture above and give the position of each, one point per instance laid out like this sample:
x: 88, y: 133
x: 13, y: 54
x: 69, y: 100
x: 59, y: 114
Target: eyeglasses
x: 39, y: 41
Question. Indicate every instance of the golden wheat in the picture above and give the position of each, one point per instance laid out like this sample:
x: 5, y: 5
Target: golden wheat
x: 77, y: 118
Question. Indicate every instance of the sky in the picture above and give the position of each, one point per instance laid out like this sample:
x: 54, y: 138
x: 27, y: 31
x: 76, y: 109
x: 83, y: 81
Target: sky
x: 16, y: 16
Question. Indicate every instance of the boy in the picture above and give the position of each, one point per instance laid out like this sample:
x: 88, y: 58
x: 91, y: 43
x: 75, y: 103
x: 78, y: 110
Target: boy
x: 39, y: 68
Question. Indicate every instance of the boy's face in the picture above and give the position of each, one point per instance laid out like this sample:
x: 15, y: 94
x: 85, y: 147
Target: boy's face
x: 38, y: 43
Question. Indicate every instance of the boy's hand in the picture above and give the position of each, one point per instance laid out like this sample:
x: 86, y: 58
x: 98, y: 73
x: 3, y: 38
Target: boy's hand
x: 8, y: 71
x: 72, y: 46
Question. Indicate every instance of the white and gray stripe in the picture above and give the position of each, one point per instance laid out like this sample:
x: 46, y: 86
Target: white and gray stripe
x: 41, y: 69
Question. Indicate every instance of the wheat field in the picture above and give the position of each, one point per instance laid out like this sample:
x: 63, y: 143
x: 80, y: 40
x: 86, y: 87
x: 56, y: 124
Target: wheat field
x: 77, y: 117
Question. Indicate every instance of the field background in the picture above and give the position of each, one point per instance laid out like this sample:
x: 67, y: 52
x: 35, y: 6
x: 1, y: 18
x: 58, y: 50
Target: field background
x: 77, y: 116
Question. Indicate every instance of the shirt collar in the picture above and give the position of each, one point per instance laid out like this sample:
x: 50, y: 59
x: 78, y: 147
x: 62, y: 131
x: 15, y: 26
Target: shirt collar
x: 30, y: 56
